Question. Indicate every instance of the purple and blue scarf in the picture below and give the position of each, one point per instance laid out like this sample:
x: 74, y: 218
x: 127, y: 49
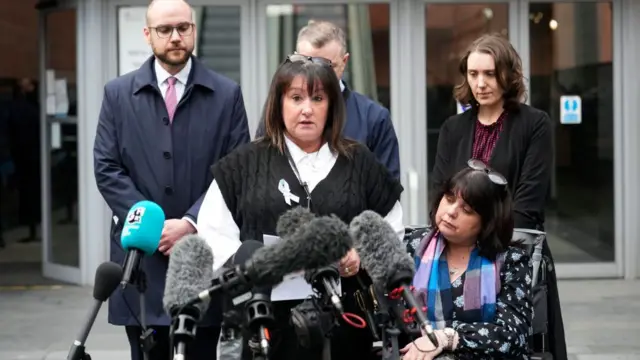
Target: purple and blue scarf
x: 481, y: 283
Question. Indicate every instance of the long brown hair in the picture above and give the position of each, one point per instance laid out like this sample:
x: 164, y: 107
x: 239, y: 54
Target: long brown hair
x: 508, y: 70
x: 316, y: 73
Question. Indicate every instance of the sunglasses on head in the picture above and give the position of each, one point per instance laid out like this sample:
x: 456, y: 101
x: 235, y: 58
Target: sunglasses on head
x: 494, y: 176
x: 313, y: 59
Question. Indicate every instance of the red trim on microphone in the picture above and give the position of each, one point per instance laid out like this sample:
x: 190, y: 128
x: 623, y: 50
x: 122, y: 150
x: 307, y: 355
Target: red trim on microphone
x: 354, y: 320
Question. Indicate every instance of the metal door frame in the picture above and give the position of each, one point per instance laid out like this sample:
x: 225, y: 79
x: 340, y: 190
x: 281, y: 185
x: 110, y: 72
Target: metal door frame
x: 50, y: 269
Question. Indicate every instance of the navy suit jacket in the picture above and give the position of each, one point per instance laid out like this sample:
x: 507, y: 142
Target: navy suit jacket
x: 140, y: 155
x: 370, y: 124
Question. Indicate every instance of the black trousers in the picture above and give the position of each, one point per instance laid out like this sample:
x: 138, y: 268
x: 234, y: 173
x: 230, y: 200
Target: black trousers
x: 203, y: 348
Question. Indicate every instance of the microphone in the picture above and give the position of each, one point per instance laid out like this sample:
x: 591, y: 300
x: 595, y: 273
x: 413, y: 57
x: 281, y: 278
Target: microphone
x: 190, y: 270
x: 140, y: 236
x: 258, y: 309
x: 107, y: 278
x: 325, y: 281
x: 292, y: 220
x: 387, y: 262
x: 322, y: 241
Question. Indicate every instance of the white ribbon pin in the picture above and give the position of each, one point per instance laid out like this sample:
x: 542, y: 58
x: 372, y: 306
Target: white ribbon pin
x: 283, y: 186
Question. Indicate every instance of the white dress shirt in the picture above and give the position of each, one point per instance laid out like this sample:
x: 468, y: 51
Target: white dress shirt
x: 217, y: 226
x: 182, y: 77
x: 181, y: 83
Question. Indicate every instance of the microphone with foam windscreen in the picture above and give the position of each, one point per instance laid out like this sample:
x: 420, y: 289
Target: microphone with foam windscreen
x: 385, y: 258
x: 320, y: 242
x: 190, y: 270
x: 107, y: 278
x: 292, y: 220
x: 140, y: 236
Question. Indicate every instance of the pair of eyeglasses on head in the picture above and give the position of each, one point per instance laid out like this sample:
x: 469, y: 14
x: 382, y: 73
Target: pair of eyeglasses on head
x: 313, y: 59
x: 165, y: 31
x: 494, y: 176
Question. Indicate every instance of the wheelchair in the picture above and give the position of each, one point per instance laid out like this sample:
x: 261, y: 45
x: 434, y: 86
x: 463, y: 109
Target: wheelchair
x: 533, y: 241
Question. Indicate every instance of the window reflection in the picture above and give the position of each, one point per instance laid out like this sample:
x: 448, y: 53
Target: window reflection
x: 571, y: 54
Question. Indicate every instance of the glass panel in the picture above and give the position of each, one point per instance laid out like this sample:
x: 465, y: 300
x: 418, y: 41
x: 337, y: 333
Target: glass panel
x: 62, y: 106
x: 367, y: 30
x: 217, y: 38
x: 20, y: 174
x: 450, y: 29
x: 571, y: 54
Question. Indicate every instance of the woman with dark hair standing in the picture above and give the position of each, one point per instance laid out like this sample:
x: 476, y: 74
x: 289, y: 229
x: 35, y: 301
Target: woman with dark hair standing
x: 302, y: 160
x: 508, y: 135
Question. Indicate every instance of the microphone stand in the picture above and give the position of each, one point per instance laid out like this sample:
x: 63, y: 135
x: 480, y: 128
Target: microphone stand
x: 391, y: 332
x: 326, y: 349
x: 79, y: 353
x: 147, y: 341
x: 183, y: 330
x: 387, y: 314
x: 259, y: 317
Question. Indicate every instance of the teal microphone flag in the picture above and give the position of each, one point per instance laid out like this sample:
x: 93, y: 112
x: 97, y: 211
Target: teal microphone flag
x: 143, y: 228
x: 140, y: 236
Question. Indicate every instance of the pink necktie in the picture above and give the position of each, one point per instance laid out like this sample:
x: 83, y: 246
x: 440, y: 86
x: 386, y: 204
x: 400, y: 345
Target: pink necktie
x: 171, y: 99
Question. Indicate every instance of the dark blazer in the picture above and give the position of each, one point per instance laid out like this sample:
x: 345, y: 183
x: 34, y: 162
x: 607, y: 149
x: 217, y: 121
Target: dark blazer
x: 523, y: 154
x: 139, y: 155
x: 368, y: 123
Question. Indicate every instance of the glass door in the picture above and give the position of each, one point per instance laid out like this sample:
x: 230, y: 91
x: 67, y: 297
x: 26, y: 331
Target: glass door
x: 572, y: 79
x: 59, y: 144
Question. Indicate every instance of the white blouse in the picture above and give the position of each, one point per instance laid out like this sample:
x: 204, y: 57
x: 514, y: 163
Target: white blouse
x: 215, y: 222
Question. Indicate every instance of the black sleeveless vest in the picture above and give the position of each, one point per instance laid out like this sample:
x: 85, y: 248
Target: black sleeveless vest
x: 248, y: 179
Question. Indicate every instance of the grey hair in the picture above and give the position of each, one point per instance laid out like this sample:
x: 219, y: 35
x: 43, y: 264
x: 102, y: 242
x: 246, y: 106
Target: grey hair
x: 319, y: 33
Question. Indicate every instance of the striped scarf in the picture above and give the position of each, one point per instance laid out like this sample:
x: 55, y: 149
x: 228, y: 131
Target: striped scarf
x: 481, y: 283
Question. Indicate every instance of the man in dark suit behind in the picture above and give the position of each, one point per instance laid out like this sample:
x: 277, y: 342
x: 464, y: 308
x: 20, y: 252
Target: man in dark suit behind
x: 161, y: 127
x: 367, y: 121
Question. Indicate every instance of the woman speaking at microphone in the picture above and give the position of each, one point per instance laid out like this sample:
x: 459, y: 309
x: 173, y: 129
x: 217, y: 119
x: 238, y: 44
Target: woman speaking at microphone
x: 302, y: 160
x: 475, y: 284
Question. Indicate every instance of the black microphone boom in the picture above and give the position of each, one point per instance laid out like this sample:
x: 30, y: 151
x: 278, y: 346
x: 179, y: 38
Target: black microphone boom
x: 107, y: 278
x: 323, y: 241
x: 383, y: 256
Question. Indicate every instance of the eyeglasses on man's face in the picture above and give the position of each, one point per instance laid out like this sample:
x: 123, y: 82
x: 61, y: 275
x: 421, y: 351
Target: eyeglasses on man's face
x: 165, y: 31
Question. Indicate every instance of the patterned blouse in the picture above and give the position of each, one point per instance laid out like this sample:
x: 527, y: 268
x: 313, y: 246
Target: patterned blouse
x: 507, y: 336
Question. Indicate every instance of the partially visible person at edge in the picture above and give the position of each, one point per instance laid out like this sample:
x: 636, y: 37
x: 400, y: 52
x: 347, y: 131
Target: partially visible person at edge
x: 473, y: 279
x: 368, y: 122
x: 161, y: 128
x: 303, y: 160
x: 511, y: 137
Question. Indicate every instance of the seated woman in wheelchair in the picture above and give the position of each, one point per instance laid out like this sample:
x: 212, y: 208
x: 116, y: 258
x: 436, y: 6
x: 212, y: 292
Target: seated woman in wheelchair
x: 474, y: 282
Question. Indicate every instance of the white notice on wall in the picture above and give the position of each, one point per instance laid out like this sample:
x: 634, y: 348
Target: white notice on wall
x: 133, y: 49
